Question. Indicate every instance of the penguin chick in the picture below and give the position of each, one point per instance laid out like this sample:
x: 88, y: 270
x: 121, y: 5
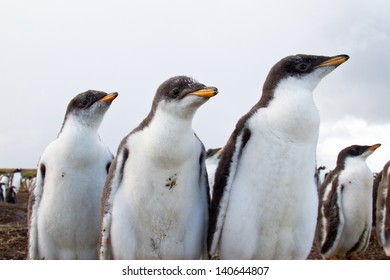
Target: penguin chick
x: 383, y: 210
x: 345, y: 209
x: 64, y: 205
x: 265, y: 200
x: 155, y: 202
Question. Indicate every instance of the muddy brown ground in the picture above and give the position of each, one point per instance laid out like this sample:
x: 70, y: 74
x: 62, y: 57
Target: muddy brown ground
x: 13, y: 234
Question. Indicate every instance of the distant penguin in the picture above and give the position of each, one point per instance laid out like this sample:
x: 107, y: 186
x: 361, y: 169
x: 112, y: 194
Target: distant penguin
x: 345, y: 209
x: 64, y: 205
x: 31, y: 183
x: 2, y: 192
x: 4, y: 179
x: 4, y: 185
x: 383, y: 210
x: 11, y: 195
x: 212, y: 158
x: 16, y: 179
x: 155, y: 202
x: 265, y: 200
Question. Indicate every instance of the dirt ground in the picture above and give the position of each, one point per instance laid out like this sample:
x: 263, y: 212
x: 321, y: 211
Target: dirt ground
x: 13, y: 228
x: 13, y: 234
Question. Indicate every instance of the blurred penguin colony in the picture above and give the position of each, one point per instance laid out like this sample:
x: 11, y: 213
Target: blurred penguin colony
x: 163, y: 195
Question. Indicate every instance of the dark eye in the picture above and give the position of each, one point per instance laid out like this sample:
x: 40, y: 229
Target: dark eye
x: 302, y: 67
x: 86, y: 101
x: 355, y: 151
x: 175, y: 92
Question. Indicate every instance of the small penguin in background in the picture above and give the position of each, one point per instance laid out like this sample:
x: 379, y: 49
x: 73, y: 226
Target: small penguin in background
x: 16, y: 179
x: 265, y: 200
x: 4, y: 180
x: 64, y: 205
x: 156, y: 198
x: 2, y: 192
x: 212, y: 158
x: 345, y: 209
x: 383, y: 210
x: 11, y: 195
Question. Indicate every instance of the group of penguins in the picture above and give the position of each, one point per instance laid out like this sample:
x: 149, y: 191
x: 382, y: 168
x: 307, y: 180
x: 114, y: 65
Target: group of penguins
x: 156, y: 200
x: 9, y: 186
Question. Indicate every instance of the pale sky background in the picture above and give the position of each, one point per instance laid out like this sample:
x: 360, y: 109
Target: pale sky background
x: 52, y: 50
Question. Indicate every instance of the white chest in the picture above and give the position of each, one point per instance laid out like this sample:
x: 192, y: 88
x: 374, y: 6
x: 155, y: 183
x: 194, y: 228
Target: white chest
x: 357, y: 191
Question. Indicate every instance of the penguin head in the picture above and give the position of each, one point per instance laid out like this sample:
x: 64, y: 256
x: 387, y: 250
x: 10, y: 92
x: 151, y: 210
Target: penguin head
x: 88, y: 108
x: 356, y: 152
x: 182, y: 96
x: 301, y: 70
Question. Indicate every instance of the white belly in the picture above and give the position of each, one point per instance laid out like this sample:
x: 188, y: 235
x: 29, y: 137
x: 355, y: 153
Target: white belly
x: 159, y: 214
x: 357, y: 207
x: 68, y: 214
x: 272, y: 210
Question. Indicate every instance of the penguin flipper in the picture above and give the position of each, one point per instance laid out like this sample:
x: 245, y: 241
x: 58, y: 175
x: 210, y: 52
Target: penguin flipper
x: 333, y: 219
x: 224, y: 177
x: 33, y: 205
x: 204, y: 187
x: 383, y: 209
x: 111, y: 186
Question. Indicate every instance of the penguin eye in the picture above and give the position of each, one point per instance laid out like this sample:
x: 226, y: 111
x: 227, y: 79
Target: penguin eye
x: 85, y: 102
x: 302, y: 67
x: 355, y: 151
x: 175, y: 92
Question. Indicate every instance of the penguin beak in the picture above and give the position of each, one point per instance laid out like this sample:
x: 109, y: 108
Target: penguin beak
x: 206, y: 92
x: 373, y: 147
x: 334, y: 61
x: 109, y: 97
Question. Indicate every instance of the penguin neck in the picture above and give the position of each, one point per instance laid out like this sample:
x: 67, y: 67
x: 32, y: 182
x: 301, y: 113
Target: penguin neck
x: 290, y: 108
x: 170, y: 126
x: 169, y: 137
x: 76, y: 130
x: 357, y: 163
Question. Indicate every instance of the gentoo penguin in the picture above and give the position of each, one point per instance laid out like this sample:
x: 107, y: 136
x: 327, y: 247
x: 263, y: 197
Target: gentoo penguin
x: 265, y: 200
x: 64, y: 205
x: 345, y: 208
x: 155, y: 201
x: 212, y: 158
x: 383, y: 210
x: 11, y: 195
x: 3, y: 186
x: 16, y: 179
x: 2, y: 192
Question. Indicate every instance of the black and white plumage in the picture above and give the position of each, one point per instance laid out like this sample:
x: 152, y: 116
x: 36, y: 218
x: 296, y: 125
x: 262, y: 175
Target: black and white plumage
x: 16, y: 179
x: 212, y: 159
x: 320, y: 175
x: 155, y: 202
x: 11, y: 196
x: 265, y: 200
x: 2, y: 191
x: 383, y: 210
x: 345, y: 209
x: 4, y: 179
x: 64, y: 205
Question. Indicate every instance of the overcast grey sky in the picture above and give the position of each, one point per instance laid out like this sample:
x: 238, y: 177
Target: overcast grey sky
x: 52, y: 50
